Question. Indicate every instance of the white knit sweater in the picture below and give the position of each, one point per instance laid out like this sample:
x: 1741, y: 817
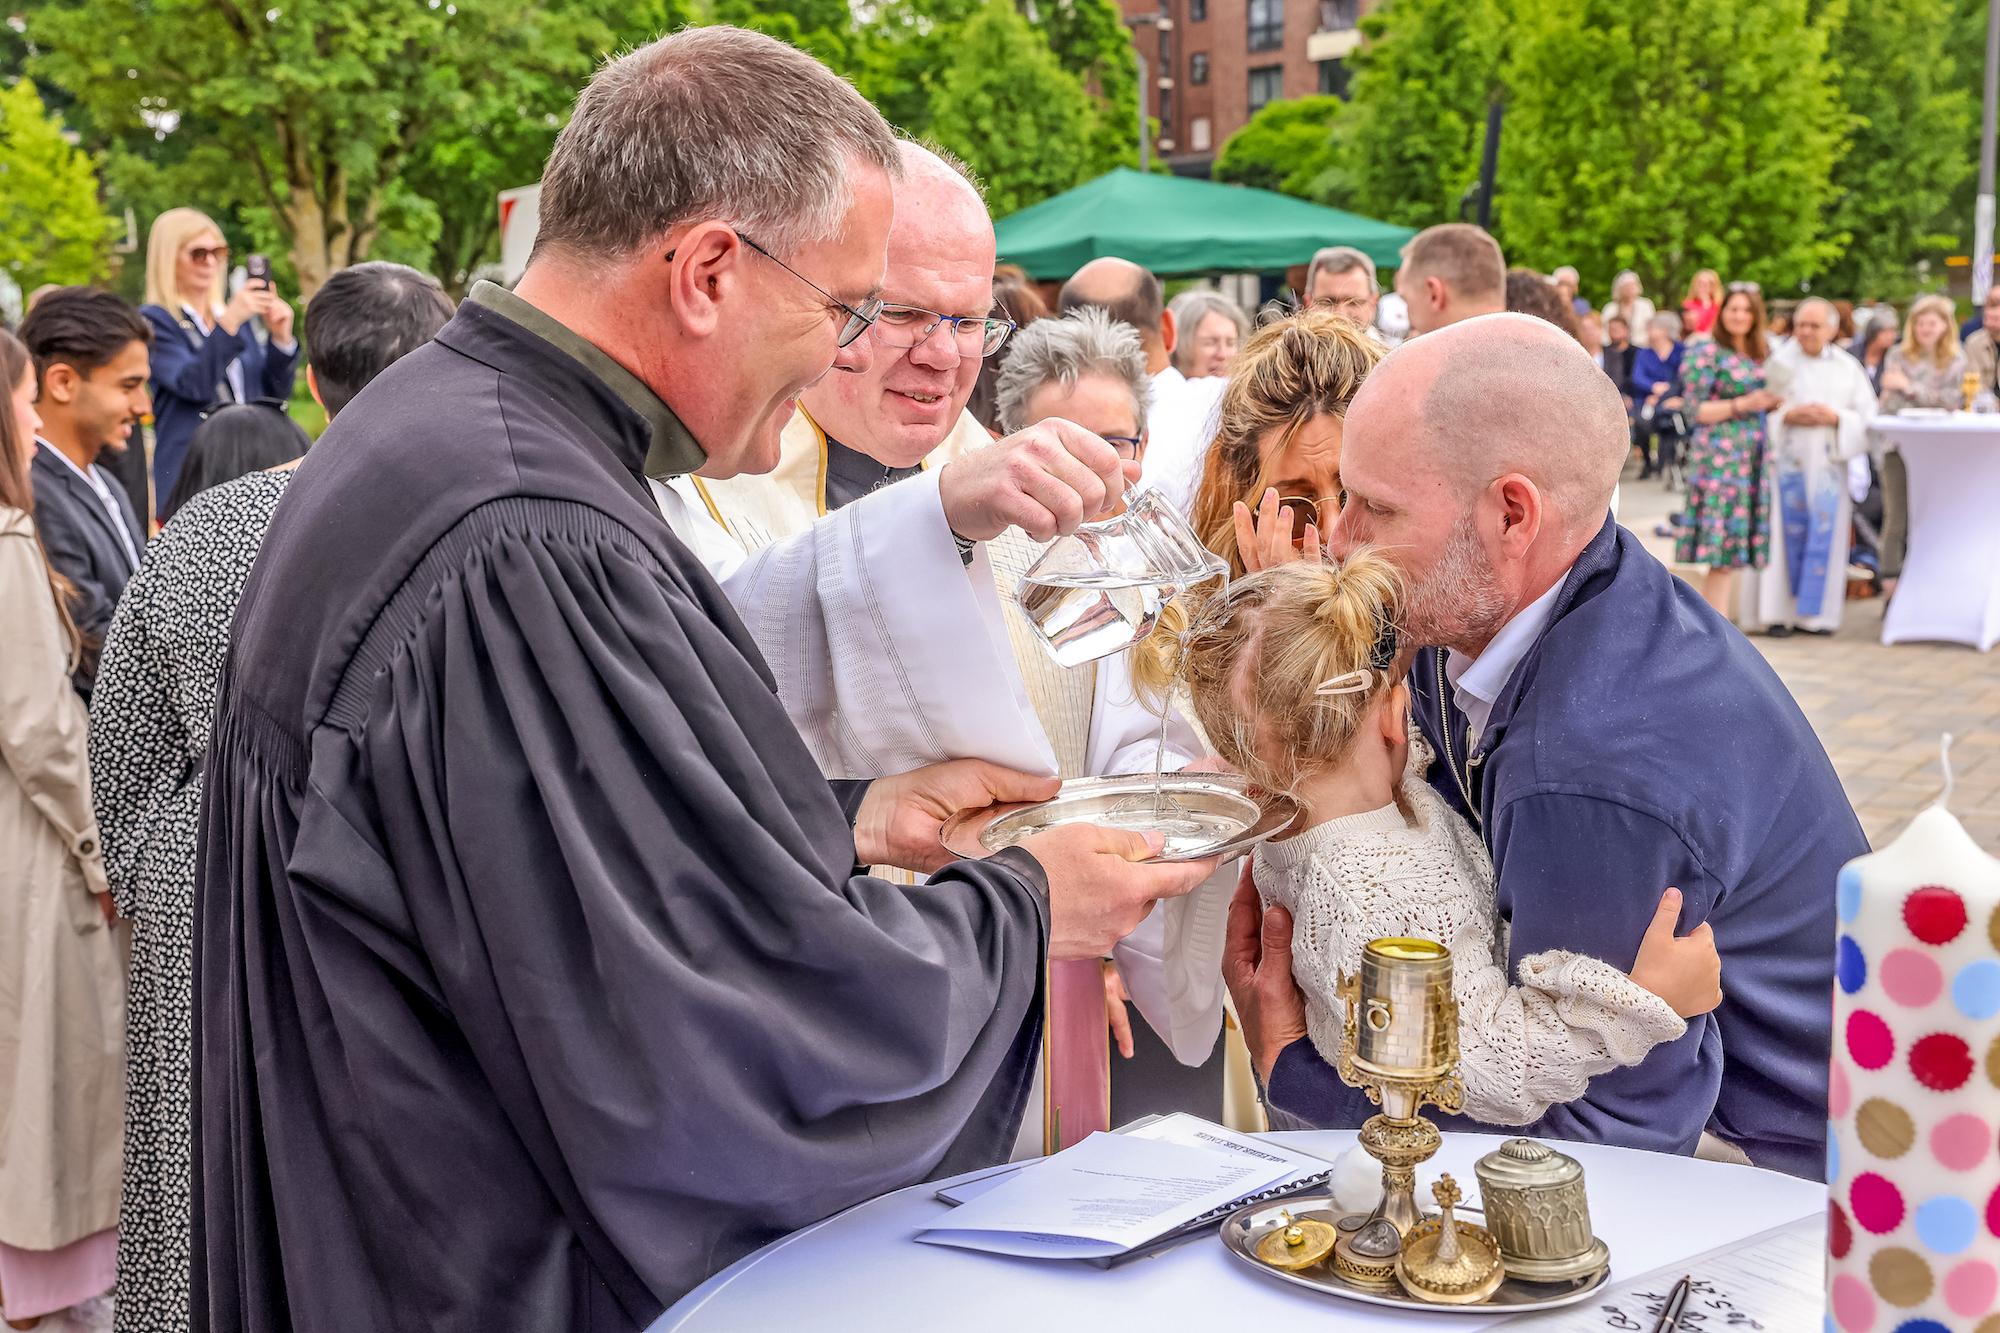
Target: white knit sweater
x: 1521, y: 1048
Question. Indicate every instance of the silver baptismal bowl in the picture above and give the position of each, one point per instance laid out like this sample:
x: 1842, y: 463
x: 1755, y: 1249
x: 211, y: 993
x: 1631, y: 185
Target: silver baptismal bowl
x: 1198, y: 814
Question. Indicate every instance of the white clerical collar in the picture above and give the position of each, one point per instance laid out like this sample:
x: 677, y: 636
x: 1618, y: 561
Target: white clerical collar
x: 1477, y: 681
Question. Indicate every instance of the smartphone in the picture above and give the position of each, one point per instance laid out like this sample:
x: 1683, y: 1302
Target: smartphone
x: 258, y: 269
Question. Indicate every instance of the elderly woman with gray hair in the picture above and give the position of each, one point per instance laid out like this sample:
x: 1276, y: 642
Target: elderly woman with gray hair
x: 1628, y: 302
x: 1212, y: 327
x: 1090, y: 369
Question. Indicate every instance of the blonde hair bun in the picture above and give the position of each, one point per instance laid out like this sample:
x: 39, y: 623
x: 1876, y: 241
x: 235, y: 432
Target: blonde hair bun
x: 1255, y: 655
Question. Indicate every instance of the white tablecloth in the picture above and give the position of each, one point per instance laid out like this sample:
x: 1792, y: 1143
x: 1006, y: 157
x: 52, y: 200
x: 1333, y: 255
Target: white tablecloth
x: 1950, y: 588
x: 863, y: 1271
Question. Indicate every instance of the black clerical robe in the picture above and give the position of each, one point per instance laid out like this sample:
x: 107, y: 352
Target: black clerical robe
x: 536, y: 981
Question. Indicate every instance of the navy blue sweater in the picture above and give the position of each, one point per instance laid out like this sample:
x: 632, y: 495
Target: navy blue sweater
x: 1641, y: 743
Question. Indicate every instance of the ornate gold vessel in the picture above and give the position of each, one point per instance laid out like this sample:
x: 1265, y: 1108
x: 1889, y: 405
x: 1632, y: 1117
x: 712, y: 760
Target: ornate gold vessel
x: 1537, y: 1209
x: 1449, y: 1262
x: 1399, y: 1044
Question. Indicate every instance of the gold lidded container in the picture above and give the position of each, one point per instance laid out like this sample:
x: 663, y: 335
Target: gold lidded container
x: 1536, y: 1208
x: 1449, y: 1262
x: 1297, y: 1243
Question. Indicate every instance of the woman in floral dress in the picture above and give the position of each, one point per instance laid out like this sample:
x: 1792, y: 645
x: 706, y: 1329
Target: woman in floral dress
x: 1728, y: 523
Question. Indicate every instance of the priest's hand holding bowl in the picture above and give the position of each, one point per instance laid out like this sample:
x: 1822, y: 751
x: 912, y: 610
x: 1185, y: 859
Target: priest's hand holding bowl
x: 1100, y: 886
x: 901, y: 819
x: 1044, y: 480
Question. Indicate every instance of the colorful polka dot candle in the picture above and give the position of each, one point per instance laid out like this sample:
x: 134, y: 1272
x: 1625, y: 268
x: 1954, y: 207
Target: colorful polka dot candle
x: 1913, y: 1168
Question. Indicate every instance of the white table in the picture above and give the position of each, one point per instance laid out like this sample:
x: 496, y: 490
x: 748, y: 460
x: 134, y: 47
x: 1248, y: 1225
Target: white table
x: 1950, y: 588
x: 862, y: 1270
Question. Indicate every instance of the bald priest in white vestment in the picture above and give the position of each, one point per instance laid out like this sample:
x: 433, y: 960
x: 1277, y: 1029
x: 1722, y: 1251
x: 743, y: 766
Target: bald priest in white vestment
x: 1818, y: 452
x: 875, y: 573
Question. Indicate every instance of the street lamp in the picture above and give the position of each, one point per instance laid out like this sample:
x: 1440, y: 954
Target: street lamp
x: 1136, y: 22
x: 1982, y: 218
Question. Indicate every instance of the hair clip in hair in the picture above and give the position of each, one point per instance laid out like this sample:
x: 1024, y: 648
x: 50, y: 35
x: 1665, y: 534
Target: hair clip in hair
x: 1352, y: 682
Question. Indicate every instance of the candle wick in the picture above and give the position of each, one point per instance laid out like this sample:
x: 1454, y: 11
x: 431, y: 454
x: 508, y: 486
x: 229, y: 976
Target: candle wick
x: 1944, y: 761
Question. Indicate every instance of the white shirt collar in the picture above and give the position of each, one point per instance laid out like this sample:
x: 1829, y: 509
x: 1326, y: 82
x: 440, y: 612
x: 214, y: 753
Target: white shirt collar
x: 88, y: 475
x: 1476, y: 682
x: 93, y: 477
x: 1169, y: 378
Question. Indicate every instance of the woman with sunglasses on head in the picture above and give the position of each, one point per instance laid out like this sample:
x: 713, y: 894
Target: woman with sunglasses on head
x: 1271, y: 484
x: 206, y: 348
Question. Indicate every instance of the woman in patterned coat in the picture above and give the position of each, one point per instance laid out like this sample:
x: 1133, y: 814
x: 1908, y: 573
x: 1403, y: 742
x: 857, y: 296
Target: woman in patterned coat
x: 150, y: 717
x: 1728, y: 494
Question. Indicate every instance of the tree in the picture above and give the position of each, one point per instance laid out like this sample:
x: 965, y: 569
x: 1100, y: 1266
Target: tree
x: 1287, y: 146
x: 1667, y: 139
x: 1910, y: 97
x: 822, y: 27
x: 904, y: 49
x: 1408, y: 144
x: 1090, y: 40
x: 1967, y: 41
x: 1019, y: 120
x: 307, y: 115
x: 52, y: 227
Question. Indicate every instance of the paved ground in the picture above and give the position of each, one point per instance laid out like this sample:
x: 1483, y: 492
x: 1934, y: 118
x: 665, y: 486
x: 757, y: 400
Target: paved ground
x: 1878, y: 710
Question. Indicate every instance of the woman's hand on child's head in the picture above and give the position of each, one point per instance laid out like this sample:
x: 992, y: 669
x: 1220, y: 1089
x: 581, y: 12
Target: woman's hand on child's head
x: 1683, y: 970
x: 1264, y: 539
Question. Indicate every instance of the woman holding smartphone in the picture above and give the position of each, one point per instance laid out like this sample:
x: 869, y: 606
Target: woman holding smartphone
x: 206, y: 350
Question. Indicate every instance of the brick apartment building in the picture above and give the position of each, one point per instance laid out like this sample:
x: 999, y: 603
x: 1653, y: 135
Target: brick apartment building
x: 1211, y: 64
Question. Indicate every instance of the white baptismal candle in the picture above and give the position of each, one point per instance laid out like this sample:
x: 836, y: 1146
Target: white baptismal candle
x: 1914, y: 1090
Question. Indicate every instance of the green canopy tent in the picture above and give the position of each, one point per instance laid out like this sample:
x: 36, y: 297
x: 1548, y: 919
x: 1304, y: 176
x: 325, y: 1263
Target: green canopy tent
x: 1177, y: 226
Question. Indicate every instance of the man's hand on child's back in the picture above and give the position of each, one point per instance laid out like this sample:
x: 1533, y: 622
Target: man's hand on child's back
x: 1257, y: 966
x: 1683, y: 970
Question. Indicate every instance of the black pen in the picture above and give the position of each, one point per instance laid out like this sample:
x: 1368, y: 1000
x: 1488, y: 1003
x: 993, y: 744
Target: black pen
x: 1670, y: 1315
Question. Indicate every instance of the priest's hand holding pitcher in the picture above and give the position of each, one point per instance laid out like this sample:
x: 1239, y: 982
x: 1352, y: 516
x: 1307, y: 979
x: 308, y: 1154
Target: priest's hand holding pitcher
x: 1044, y: 480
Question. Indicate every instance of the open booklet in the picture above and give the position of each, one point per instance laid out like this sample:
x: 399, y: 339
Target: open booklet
x: 1113, y: 1195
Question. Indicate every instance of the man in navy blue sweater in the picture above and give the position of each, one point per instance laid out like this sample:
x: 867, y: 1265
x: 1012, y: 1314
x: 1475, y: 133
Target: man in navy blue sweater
x: 1607, y: 732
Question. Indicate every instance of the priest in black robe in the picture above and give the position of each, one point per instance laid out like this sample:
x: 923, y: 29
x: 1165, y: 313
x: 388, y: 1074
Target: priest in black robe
x: 536, y: 979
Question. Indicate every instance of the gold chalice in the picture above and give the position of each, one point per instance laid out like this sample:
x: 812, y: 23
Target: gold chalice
x: 1399, y: 1044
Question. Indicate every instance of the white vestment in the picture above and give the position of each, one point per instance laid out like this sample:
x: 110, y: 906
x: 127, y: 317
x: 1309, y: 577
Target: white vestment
x: 1180, y: 426
x: 890, y: 653
x: 1810, y: 464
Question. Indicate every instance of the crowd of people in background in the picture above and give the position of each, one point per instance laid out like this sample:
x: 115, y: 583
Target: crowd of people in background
x: 121, y: 567
x: 1696, y: 379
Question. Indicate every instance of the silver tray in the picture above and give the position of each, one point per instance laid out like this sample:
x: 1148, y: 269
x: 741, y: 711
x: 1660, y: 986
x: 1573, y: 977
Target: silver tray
x: 1251, y: 1224
x: 1247, y: 819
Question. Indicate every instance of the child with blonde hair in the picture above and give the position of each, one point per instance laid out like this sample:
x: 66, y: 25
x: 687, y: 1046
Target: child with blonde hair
x: 1291, y: 672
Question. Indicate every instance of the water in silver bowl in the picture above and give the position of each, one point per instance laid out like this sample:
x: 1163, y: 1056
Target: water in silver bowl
x: 1085, y: 616
x: 1184, y: 830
